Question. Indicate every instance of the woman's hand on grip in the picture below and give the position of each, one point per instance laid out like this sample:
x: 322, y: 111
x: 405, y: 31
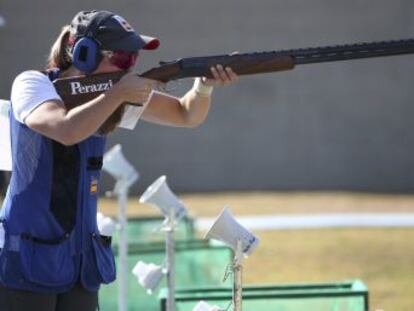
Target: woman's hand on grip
x: 133, y: 88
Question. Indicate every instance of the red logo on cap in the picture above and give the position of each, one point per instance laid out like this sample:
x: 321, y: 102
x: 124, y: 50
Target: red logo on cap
x: 123, y: 23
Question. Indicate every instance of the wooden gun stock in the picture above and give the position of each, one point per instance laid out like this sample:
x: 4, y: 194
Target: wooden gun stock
x: 80, y: 89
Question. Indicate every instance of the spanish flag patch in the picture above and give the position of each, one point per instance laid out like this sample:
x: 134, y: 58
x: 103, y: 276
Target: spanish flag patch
x: 94, y: 185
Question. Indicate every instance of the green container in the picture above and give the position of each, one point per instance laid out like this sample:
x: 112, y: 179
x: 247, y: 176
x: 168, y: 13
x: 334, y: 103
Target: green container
x: 198, y: 263
x: 340, y: 296
x: 147, y: 229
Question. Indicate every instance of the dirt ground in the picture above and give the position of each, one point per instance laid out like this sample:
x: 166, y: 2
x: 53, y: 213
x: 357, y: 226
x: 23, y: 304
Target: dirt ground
x: 270, y: 203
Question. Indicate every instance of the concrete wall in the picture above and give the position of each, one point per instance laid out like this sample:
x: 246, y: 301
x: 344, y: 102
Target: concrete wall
x: 344, y: 125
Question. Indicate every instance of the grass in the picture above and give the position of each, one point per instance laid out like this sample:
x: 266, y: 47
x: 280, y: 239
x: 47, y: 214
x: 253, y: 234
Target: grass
x: 382, y: 258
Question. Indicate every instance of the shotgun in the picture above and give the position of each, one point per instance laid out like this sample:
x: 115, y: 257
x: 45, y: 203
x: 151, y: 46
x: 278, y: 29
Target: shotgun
x: 77, y: 90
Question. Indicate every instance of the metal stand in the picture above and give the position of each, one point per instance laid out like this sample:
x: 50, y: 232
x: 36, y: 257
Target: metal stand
x: 170, y: 265
x: 122, y: 193
x: 237, y: 278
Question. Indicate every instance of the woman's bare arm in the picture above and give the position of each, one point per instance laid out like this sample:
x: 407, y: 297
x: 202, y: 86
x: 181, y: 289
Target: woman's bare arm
x: 190, y: 110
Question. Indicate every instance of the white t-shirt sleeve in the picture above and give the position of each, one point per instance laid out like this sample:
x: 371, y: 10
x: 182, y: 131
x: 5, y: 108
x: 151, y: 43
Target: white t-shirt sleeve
x: 30, y: 89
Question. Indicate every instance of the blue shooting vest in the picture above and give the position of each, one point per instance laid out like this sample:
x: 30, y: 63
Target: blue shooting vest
x: 49, y: 215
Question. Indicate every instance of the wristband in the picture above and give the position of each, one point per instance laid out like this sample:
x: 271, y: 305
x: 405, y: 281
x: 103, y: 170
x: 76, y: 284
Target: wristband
x: 200, y: 88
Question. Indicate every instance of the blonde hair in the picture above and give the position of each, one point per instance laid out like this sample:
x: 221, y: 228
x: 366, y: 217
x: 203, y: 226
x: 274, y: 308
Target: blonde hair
x: 59, y: 56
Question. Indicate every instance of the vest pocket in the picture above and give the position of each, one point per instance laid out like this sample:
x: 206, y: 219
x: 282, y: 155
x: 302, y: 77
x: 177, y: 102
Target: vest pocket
x: 47, y: 263
x: 105, y: 260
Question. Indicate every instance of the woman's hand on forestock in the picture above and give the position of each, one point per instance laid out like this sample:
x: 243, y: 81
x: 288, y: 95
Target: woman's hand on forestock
x: 134, y: 89
x: 221, y: 76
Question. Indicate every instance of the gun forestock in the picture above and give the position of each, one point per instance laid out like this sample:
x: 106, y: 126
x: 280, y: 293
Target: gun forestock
x: 242, y: 64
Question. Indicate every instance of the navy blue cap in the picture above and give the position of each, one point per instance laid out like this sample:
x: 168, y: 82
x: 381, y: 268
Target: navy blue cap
x: 111, y: 31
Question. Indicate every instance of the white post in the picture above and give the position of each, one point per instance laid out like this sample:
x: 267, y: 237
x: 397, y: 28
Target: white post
x: 170, y: 265
x: 115, y: 164
x: 237, y: 277
x: 122, y: 194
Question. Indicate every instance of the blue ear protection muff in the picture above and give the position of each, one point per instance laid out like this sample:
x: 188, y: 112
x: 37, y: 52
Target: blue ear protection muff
x: 86, y: 55
x: 86, y: 52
